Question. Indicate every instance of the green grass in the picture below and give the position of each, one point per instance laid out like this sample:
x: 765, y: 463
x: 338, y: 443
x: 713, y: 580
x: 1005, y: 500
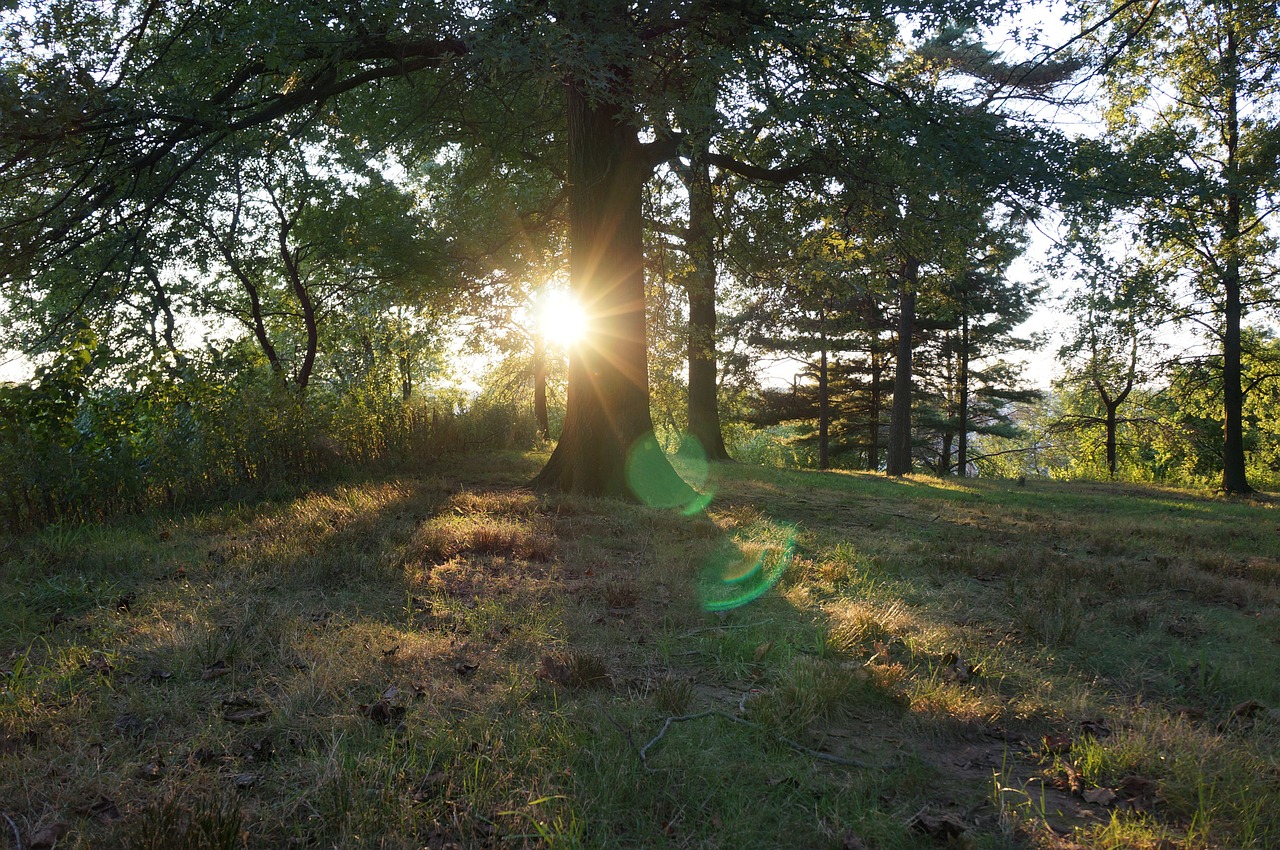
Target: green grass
x: 448, y: 659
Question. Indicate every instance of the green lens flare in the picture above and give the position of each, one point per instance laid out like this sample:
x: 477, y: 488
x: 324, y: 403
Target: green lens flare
x: 655, y: 481
x: 738, y: 574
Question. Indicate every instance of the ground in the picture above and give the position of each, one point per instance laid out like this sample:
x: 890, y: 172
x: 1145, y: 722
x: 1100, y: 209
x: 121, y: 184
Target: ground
x: 443, y: 658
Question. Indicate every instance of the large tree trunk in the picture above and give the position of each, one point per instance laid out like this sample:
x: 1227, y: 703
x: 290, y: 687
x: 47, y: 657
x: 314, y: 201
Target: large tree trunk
x: 899, y: 460
x: 607, y: 447
x: 1234, y: 476
x: 704, y: 410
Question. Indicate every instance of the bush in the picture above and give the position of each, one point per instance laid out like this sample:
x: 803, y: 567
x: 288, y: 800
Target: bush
x: 69, y: 451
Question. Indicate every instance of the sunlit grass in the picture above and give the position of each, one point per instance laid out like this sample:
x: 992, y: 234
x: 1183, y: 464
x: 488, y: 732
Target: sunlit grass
x: 452, y: 658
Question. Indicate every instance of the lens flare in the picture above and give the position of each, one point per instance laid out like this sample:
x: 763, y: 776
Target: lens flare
x: 740, y: 573
x: 655, y: 481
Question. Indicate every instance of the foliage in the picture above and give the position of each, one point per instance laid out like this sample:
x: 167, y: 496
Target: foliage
x: 76, y: 449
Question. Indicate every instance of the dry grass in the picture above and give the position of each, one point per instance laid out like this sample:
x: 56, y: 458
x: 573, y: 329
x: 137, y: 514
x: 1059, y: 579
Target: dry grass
x: 451, y: 660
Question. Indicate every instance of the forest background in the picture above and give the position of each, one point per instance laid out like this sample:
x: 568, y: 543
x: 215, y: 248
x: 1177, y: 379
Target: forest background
x: 248, y: 249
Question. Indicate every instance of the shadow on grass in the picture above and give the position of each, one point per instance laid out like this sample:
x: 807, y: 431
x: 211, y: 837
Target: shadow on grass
x: 392, y: 662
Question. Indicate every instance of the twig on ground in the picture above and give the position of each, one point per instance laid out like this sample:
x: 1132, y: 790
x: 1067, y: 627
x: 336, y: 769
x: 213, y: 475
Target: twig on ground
x: 17, y: 838
x: 722, y: 627
x: 827, y: 757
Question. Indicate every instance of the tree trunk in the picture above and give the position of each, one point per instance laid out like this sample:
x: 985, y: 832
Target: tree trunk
x: 962, y: 448
x: 704, y: 410
x: 406, y: 378
x: 1234, y: 476
x: 607, y: 447
x: 309, y: 323
x: 1111, y: 437
x: 540, y: 386
x: 899, y: 461
x: 944, y: 457
x: 824, y: 406
x: 873, y: 433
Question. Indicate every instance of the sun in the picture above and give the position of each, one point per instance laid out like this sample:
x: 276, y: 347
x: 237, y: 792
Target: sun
x: 562, y: 321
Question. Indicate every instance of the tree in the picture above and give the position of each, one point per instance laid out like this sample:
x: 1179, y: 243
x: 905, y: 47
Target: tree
x: 1112, y: 348
x: 1192, y: 101
x: 974, y: 387
x: 107, y: 118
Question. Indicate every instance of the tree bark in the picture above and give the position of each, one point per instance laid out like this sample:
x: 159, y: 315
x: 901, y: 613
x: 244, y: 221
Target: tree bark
x: 899, y: 460
x: 1234, y: 475
x: 824, y: 404
x: 309, y: 323
x: 962, y: 447
x: 607, y: 447
x: 704, y: 409
x: 1111, y: 425
x: 873, y: 433
x: 540, y: 386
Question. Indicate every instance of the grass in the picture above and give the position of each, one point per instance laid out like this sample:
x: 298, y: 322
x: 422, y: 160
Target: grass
x: 448, y: 660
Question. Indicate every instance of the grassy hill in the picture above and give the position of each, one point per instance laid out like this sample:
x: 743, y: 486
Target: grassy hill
x: 817, y: 661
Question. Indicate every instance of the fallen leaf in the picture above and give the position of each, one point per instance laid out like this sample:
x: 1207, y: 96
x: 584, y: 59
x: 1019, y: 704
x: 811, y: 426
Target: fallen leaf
x: 1191, y: 712
x: 956, y: 669
x: 245, y: 780
x: 390, y: 652
x: 1056, y: 744
x: 1241, y: 713
x: 105, y: 810
x: 432, y: 786
x: 761, y: 651
x: 127, y: 724
x: 99, y: 664
x: 1072, y: 782
x: 241, y: 710
x: 1095, y: 729
x: 1137, y: 790
x: 48, y: 836
x: 203, y: 756
x: 943, y: 827
x: 263, y: 750
x: 214, y: 670
x: 382, y: 712
x: 1099, y: 796
x: 152, y: 771
x: 852, y: 841
x: 881, y: 652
